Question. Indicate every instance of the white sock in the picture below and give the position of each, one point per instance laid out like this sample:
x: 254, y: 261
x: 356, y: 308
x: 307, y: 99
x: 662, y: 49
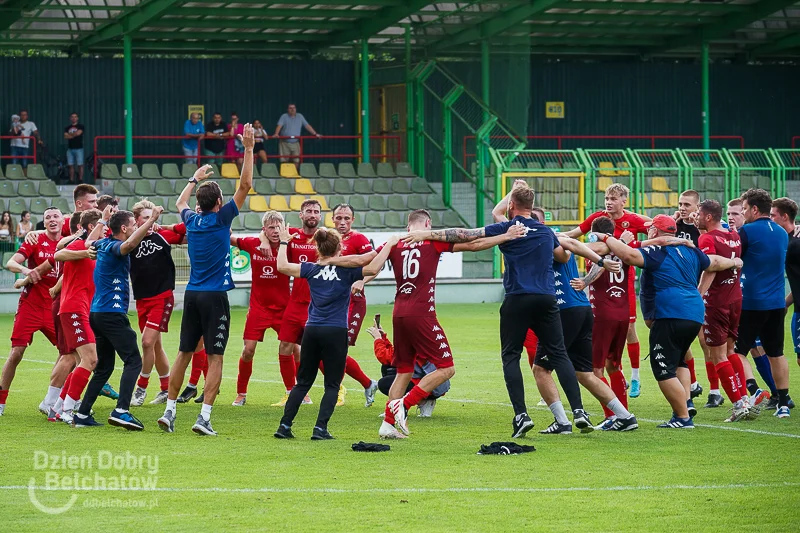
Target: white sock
x: 635, y: 374
x: 205, y: 412
x: 619, y: 409
x: 52, y: 395
x: 171, y: 406
x: 59, y: 406
x: 714, y: 391
x: 69, y: 403
x: 146, y: 376
x: 164, y: 376
x: 695, y: 385
x: 191, y: 386
x: 558, y: 412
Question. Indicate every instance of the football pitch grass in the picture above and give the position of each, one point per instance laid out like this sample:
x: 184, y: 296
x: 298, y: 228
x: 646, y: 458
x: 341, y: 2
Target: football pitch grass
x: 718, y: 477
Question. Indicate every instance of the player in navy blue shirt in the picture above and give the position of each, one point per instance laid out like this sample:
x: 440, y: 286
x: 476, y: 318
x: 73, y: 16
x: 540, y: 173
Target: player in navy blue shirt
x: 108, y: 319
x: 325, y: 335
x: 678, y: 307
x: 764, y: 247
x: 206, y: 311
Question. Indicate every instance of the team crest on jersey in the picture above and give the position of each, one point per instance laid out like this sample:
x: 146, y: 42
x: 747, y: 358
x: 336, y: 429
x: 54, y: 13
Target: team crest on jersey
x: 147, y: 248
x: 626, y: 224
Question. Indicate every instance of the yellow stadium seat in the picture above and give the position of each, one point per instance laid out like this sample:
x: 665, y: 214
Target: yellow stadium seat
x: 303, y: 186
x: 251, y: 191
x: 323, y: 204
x: 659, y: 199
x: 673, y: 199
x: 230, y: 170
x: 623, y: 164
x: 278, y: 203
x: 259, y: 203
x: 647, y: 203
x: 604, y: 183
x: 288, y: 170
x: 607, y: 169
x: 661, y: 185
x: 295, y: 202
x: 329, y: 220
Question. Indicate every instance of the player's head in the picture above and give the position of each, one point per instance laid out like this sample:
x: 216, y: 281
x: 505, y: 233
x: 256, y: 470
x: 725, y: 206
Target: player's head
x: 343, y: 216
x: 53, y: 220
x: 75, y: 222
x: 616, y: 198
x: 419, y: 219
x: 734, y: 213
x: 142, y: 210
x: 310, y: 214
x: 271, y: 224
x: 687, y: 203
x: 106, y: 200
x: 329, y: 243
x: 122, y: 224
x: 661, y: 225
x: 209, y: 197
x: 709, y: 215
x: 85, y: 197
x: 538, y: 214
x: 89, y: 219
x: 784, y: 213
x: 756, y: 203
x: 603, y: 225
x: 520, y: 202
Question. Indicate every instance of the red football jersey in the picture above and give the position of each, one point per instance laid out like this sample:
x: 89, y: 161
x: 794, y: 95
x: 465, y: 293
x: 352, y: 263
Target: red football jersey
x: 627, y: 222
x: 270, y: 288
x: 36, y: 254
x: 355, y: 243
x: 302, y: 249
x: 77, y: 289
x: 725, y: 289
x: 65, y: 231
x: 609, y: 295
x: 176, y: 235
x: 415, y: 267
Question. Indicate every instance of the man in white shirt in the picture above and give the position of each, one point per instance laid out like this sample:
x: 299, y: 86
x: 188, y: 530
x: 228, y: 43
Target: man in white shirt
x: 24, y: 128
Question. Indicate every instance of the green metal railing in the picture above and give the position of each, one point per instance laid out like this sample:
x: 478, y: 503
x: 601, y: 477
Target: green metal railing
x: 753, y: 169
x: 708, y: 172
x: 788, y: 163
x: 604, y: 167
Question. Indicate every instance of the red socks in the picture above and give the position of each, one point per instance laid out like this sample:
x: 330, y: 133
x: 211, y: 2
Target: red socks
x: 606, y: 411
x: 618, y: 386
x: 288, y: 370
x: 245, y: 371
x: 296, y: 366
x: 3, y: 396
x: 713, y: 378
x: 414, y: 396
x: 633, y: 354
x: 80, y: 377
x: 388, y: 415
x: 738, y: 369
x: 199, y: 366
x: 353, y: 369
x: 164, y: 382
x: 728, y: 381
x: 143, y: 381
x: 65, y: 388
x: 690, y: 364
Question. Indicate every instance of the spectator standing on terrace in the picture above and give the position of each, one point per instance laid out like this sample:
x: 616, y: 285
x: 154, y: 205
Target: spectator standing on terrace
x: 216, y: 133
x: 22, y: 127
x: 25, y: 224
x: 291, y: 125
x: 235, y: 148
x: 193, y: 131
x: 261, y: 135
x: 73, y: 134
x: 7, y: 231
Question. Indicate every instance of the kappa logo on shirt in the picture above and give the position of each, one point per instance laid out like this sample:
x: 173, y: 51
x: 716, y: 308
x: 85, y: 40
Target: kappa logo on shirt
x: 561, y: 301
x: 354, y: 323
x: 78, y: 330
x: 445, y: 355
x: 116, y: 281
x: 431, y: 300
x: 328, y: 274
x: 80, y: 339
x: 559, y: 292
x: 76, y: 323
x: 439, y: 337
x: 74, y: 316
x: 147, y: 248
x: 658, y: 356
x: 437, y: 328
x: 357, y: 315
x: 431, y: 309
x: 663, y: 372
x: 117, y: 306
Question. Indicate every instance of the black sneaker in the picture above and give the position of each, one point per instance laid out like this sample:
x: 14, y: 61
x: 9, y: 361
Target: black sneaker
x: 200, y: 398
x: 772, y: 404
x: 557, y: 429
x: 624, y: 424
x: 695, y: 392
x: 187, y: 394
x: 692, y: 408
x: 714, y: 400
x: 581, y: 421
x: 84, y: 421
x: 124, y: 419
x: 284, y: 432
x: 321, y: 434
x: 790, y: 403
x: 521, y: 424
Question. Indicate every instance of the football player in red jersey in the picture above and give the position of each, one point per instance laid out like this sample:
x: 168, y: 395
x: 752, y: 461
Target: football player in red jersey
x: 616, y: 196
x: 269, y: 294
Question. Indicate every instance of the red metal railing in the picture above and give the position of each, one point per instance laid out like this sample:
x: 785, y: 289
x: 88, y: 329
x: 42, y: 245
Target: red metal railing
x: 561, y: 138
x: 12, y: 137
x: 396, y: 155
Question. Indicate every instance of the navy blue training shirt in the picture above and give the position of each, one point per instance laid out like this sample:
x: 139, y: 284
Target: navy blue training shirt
x: 529, y: 259
x: 674, y: 271
x: 764, y: 246
x: 209, y: 238
x: 566, y: 295
x: 330, y: 293
x: 111, y: 287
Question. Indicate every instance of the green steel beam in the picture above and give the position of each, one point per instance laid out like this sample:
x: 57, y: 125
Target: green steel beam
x: 8, y: 7
x: 409, y: 82
x: 202, y: 47
x: 349, y: 3
x: 252, y: 12
x: 365, y: 100
x: 379, y: 21
x: 604, y: 29
x: 704, y: 90
x: 497, y: 24
x: 72, y: 20
x: 658, y: 6
x: 787, y: 41
x: 232, y: 36
x: 130, y: 22
x: 216, y: 23
x: 128, y: 96
x: 621, y: 19
x: 13, y: 9
x: 32, y: 31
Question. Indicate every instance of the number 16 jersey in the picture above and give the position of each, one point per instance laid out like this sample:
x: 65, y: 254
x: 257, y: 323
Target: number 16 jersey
x: 415, y: 267
x: 609, y: 294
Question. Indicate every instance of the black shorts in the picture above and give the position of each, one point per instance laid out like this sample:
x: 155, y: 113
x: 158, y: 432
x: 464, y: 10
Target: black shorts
x: 576, y: 323
x: 670, y: 339
x: 258, y: 147
x: 206, y: 315
x: 765, y: 325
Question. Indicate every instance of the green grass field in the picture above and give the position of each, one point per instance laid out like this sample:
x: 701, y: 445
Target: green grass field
x: 719, y: 477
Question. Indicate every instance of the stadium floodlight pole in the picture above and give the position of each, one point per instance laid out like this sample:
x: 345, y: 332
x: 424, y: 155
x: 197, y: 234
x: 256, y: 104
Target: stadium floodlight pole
x: 128, y: 81
x: 409, y: 100
x: 704, y: 90
x: 365, y: 100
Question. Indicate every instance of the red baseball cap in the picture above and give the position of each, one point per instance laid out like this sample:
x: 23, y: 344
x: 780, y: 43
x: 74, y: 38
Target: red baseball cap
x: 664, y: 223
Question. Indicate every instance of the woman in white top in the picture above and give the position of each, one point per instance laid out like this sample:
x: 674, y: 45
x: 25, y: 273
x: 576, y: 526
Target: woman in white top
x: 25, y: 225
x: 6, y: 228
x: 260, y: 134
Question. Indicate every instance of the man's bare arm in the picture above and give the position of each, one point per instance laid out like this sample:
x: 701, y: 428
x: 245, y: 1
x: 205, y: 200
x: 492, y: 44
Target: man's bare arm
x: 246, y: 177
x: 719, y: 263
x: 445, y: 235
x: 515, y: 231
x: 706, y: 279
x: 625, y: 253
x: 350, y: 260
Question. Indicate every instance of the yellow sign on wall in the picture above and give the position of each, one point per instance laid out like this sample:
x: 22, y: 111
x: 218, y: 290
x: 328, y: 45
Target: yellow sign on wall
x: 197, y: 109
x: 554, y: 109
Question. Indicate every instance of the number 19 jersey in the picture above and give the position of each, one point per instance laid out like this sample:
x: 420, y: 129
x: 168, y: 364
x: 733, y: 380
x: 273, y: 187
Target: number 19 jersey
x: 415, y: 267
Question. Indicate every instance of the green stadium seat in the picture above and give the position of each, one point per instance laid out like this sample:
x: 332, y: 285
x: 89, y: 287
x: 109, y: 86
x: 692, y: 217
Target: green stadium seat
x: 109, y: 171
x: 570, y: 185
x: 188, y: 170
x: 382, y: 186
x: 533, y: 165
x: 436, y: 219
x: 284, y: 187
x: 343, y: 186
x: 715, y: 183
x: 571, y: 165
x: 227, y: 187
x: 308, y: 171
x: 264, y: 187
x: 2, y: 174
x: 359, y: 203
x: 166, y: 202
x: 362, y: 186
x: 416, y: 201
x: 396, y: 203
x: 252, y: 221
x: 121, y: 188
x: 323, y: 186
x: 435, y: 202
x: 36, y: 172
x: 566, y: 214
x: 62, y: 204
x: 130, y: 172
x: 336, y: 199
x: 400, y: 186
x: 394, y: 220
x: 216, y: 174
x: 48, y: 188
x: 485, y: 256
x: 763, y: 182
x: 170, y: 171
x: 143, y: 188
x: 404, y: 171
x: 150, y: 172
x: 17, y: 205
x: 552, y: 165
x: 27, y: 189
x: 366, y: 170
x: 2, y: 205
x: 165, y: 188
x: 385, y: 170
x: 469, y: 257
x: 450, y: 219
x: 15, y: 172
x: 377, y: 203
x: 327, y: 170
x: 270, y: 170
x: 236, y: 225
x: 715, y: 195
x: 38, y: 205
x: 293, y: 220
x: 346, y: 170
x: 420, y: 186
x: 373, y: 220
x: 170, y: 219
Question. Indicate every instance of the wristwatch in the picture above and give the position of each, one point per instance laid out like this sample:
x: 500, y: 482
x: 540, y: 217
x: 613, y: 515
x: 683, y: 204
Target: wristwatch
x: 285, y: 243
x: 600, y: 263
x: 192, y: 180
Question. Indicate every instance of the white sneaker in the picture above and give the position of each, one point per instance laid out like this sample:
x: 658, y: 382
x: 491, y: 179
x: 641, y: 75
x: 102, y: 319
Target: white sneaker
x: 44, y: 408
x: 388, y: 431
x: 67, y: 416
x: 307, y: 400
x: 160, y: 398
x: 399, y: 411
x: 541, y: 403
x: 240, y: 400
x: 369, y: 393
x: 2, y: 408
x: 138, y: 397
x: 426, y: 407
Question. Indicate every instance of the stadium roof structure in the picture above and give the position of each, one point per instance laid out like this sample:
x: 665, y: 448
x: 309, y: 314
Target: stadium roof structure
x: 669, y: 28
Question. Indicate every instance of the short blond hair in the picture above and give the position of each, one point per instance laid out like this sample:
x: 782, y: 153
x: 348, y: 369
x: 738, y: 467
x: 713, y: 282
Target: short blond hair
x: 141, y: 205
x: 271, y: 216
x: 619, y: 189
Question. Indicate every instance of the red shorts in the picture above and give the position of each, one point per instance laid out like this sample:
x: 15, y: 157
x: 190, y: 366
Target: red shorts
x: 61, y: 343
x: 29, y: 320
x: 293, y: 323
x: 421, y: 336
x: 632, y: 295
x: 722, y: 323
x: 77, y: 330
x: 530, y: 344
x: 608, y: 341
x: 259, y: 320
x: 355, y: 317
x: 155, y: 312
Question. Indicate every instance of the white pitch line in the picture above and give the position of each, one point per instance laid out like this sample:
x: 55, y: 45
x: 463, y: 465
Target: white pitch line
x: 281, y: 490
